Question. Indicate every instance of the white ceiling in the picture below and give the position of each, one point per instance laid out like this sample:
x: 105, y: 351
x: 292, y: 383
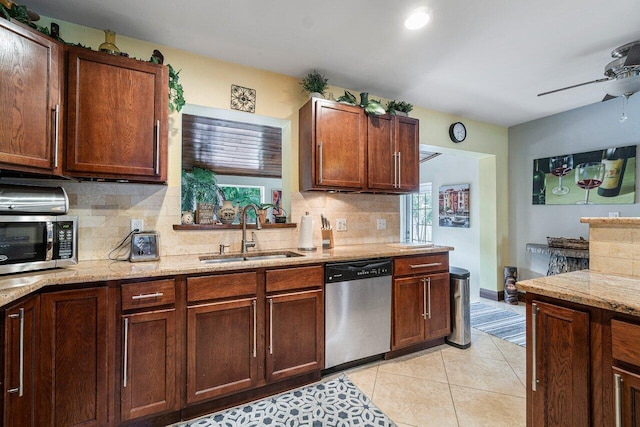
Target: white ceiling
x: 480, y: 59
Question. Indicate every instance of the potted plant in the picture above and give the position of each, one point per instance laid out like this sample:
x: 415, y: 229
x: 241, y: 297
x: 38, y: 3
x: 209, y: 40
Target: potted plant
x: 371, y: 106
x: 402, y: 107
x: 199, y: 186
x: 315, y: 83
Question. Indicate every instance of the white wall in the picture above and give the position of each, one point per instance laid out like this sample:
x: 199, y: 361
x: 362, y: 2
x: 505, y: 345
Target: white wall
x: 448, y: 169
x: 595, y: 126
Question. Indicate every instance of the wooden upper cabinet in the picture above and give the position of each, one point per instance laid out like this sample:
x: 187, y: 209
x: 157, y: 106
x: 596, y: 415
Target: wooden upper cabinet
x: 393, y: 154
x: 117, y: 117
x: 332, y: 146
x: 31, y: 76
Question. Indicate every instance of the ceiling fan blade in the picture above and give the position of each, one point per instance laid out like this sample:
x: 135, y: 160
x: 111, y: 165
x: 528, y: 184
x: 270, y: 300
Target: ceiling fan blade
x: 608, y: 97
x: 633, y: 57
x: 578, y: 85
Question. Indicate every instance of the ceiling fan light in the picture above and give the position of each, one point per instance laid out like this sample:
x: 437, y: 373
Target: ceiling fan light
x: 418, y: 19
x: 626, y: 86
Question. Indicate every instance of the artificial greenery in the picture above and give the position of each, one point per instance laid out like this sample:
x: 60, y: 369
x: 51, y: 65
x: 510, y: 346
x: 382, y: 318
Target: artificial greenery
x: 315, y: 82
x: 393, y: 106
x: 371, y: 106
x: 176, y: 91
x: 199, y: 186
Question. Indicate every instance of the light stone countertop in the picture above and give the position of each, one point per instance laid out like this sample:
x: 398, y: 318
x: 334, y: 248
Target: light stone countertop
x: 617, y: 293
x: 623, y: 220
x: 15, y: 286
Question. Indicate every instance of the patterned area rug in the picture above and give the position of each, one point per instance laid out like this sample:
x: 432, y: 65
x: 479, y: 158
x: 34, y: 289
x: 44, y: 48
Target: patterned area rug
x: 329, y: 403
x: 504, y: 324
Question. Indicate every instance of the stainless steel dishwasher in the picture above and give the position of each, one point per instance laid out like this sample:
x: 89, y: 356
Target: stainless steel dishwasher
x: 357, y: 310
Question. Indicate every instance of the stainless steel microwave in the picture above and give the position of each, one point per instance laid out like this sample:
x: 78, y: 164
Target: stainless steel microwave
x: 37, y: 242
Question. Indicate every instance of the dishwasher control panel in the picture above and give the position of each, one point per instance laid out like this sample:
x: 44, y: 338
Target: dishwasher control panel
x: 357, y: 270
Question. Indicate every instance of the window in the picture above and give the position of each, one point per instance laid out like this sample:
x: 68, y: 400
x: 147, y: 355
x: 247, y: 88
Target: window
x: 417, y: 214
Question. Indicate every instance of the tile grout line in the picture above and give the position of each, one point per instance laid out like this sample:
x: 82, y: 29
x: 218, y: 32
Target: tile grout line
x: 453, y: 402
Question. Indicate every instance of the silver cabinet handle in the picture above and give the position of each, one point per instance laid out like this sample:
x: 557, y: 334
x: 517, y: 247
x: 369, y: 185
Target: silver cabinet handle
x: 270, y: 325
x: 429, y: 297
x: 395, y: 170
x: 255, y: 328
x: 424, y: 297
x: 20, y: 388
x: 57, y: 135
x: 617, y: 378
x: 147, y: 296
x: 399, y: 169
x: 433, y: 264
x: 157, y: 170
x: 534, y: 352
x: 320, y: 155
x: 125, y: 354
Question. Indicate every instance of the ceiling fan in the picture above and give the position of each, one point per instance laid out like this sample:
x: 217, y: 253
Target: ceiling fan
x: 623, y: 73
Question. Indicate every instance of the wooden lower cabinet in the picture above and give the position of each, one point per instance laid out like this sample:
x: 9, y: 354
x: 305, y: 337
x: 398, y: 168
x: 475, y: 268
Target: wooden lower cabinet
x: 73, y: 358
x: 21, y: 331
x: 558, y: 366
x: 221, y: 348
x: 148, y: 383
x: 295, y: 340
x: 421, y: 309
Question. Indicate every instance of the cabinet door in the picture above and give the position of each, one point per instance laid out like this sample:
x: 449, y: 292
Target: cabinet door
x: 340, y: 140
x: 408, y: 151
x: 117, y: 120
x: 295, y: 338
x: 221, y: 348
x: 73, y: 359
x: 20, y: 355
x: 382, y: 166
x: 438, y: 312
x: 148, y: 383
x: 557, y: 366
x: 627, y: 398
x: 409, y: 300
x: 31, y: 72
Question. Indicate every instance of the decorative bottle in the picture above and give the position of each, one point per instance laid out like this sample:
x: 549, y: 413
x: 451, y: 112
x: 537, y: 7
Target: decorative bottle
x: 539, y: 186
x: 109, y: 44
x: 615, y: 162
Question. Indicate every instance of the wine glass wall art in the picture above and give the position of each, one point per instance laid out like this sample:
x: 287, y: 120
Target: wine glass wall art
x: 565, y: 179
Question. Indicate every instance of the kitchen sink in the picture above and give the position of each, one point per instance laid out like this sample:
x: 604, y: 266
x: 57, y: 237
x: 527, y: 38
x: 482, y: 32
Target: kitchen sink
x: 250, y: 256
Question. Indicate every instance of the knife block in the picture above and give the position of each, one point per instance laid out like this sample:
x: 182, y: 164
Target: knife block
x: 327, y: 239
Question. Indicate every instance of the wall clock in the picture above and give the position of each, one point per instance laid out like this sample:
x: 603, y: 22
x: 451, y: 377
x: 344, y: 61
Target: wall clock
x: 243, y: 99
x: 457, y: 132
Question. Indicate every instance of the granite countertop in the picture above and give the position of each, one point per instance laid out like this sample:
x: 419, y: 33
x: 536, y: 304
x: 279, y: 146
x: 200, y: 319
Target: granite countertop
x: 617, y: 293
x: 545, y: 249
x: 611, y: 221
x: 15, y: 286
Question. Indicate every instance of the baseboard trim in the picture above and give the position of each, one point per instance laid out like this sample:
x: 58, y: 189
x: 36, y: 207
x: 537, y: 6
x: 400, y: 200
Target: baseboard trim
x: 492, y: 295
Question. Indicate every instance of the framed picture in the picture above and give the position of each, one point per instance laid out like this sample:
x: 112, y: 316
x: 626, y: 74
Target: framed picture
x: 276, y: 199
x: 454, y: 206
x: 603, y: 177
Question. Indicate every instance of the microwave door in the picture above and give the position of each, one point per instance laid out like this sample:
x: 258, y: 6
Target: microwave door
x: 24, y: 242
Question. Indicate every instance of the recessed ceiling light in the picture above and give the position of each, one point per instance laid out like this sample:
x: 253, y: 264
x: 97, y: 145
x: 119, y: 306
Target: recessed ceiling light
x: 418, y: 19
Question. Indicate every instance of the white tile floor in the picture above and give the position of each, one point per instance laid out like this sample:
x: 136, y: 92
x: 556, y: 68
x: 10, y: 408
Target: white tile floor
x: 445, y: 386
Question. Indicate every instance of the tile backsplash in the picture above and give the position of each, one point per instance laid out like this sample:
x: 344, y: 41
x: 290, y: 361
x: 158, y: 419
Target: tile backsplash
x: 614, y: 248
x: 106, y: 209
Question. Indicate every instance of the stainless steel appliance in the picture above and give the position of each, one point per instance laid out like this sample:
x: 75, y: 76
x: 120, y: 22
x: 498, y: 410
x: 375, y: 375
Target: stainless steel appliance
x: 357, y: 310
x: 36, y: 235
x: 460, y: 308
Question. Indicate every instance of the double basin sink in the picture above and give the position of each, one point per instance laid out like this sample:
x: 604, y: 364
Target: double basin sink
x: 250, y: 256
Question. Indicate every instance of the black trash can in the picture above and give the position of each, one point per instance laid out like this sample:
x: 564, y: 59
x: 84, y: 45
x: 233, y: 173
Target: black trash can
x: 460, y: 308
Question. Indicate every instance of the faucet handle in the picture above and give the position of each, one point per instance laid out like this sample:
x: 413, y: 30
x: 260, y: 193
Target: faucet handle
x: 222, y: 247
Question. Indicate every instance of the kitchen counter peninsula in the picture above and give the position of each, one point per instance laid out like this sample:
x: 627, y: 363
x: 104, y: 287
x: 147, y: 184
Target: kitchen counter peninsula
x: 15, y: 286
x: 607, y: 291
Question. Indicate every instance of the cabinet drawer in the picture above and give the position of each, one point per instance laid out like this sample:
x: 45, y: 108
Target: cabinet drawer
x: 148, y: 294
x: 421, y: 264
x: 295, y: 278
x: 222, y: 286
x: 625, y: 342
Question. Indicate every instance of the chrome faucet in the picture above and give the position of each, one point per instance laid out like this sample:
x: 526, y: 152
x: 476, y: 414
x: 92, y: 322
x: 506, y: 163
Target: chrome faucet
x: 251, y: 243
